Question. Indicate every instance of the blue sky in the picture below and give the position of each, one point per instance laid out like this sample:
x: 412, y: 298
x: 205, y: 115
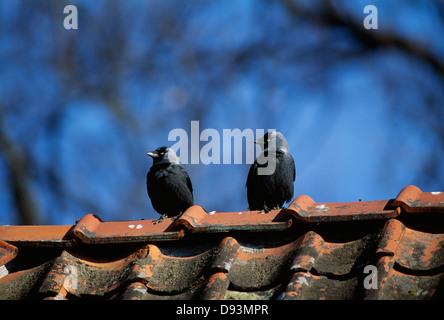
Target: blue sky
x: 343, y: 124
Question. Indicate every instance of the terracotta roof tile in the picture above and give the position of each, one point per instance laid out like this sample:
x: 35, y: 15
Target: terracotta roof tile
x: 134, y: 291
x: 307, y: 251
x: 394, y: 283
x: 7, y: 252
x: 38, y: 235
x: 196, y: 219
x: 215, y: 287
x: 91, y: 229
x: 306, y: 286
x: 413, y: 200
x: 304, y: 209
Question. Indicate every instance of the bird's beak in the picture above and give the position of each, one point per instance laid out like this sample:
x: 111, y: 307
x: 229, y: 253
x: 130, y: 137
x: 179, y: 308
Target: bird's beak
x: 152, y: 154
x: 259, y: 141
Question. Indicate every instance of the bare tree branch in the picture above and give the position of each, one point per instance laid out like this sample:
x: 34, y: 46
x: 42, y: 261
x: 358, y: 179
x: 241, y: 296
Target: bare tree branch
x: 329, y: 16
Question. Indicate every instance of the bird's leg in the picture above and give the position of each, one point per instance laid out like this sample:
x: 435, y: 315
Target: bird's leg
x: 160, y: 219
x: 177, y: 216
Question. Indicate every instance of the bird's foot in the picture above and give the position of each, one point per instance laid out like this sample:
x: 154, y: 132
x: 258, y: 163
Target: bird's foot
x: 267, y: 209
x: 160, y: 219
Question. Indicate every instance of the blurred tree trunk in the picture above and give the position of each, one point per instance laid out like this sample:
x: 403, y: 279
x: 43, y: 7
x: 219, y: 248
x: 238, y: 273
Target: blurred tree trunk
x: 18, y: 180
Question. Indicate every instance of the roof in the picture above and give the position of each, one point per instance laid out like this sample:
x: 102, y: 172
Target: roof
x: 387, y: 249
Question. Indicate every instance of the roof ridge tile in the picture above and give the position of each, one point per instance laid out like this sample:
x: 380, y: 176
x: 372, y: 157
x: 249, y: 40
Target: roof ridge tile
x: 304, y: 209
x: 413, y: 200
x: 196, y: 219
x: 92, y: 230
x: 38, y: 235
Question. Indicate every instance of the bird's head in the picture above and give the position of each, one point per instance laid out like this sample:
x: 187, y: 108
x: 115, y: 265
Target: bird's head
x: 164, y: 155
x: 273, y: 139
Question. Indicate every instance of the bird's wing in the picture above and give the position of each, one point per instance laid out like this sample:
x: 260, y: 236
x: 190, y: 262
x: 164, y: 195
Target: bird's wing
x: 187, y: 179
x: 293, y: 167
x: 189, y: 184
x: 251, y: 173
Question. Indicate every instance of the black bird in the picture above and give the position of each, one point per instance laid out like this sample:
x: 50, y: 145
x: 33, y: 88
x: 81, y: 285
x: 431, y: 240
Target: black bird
x: 168, y: 184
x: 271, y: 191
